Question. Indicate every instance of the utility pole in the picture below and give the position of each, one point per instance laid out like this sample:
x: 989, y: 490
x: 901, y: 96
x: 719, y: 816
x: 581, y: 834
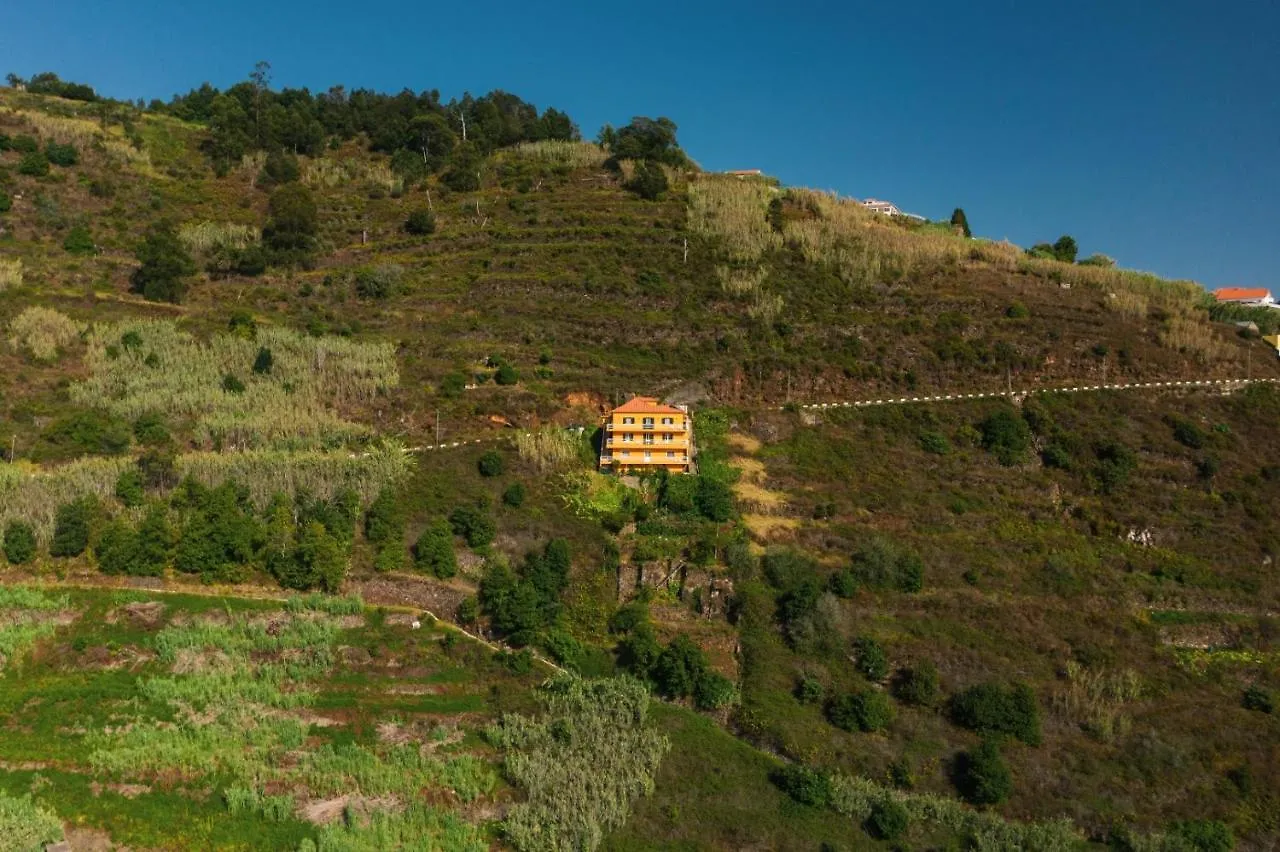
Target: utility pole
x: 437, y: 428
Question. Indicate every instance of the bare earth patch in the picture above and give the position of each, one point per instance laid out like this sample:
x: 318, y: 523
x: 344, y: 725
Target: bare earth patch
x: 146, y: 614
x: 196, y: 660
x: 325, y: 811
x: 129, y: 791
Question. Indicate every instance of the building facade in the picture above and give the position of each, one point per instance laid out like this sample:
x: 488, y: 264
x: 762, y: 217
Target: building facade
x: 645, y: 434
x: 877, y: 206
x: 1254, y: 296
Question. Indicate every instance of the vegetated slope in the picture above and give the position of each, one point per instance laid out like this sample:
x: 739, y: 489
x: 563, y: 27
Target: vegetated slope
x: 550, y: 289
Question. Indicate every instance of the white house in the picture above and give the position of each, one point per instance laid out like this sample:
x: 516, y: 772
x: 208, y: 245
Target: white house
x: 878, y: 206
x: 1251, y: 296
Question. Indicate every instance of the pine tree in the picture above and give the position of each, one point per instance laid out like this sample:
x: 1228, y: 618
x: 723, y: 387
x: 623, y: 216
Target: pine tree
x: 959, y: 220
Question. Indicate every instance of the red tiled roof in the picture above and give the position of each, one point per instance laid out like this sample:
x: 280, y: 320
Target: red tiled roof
x: 646, y: 405
x: 1234, y: 294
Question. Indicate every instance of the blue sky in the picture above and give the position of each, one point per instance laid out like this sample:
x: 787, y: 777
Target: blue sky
x: 1149, y: 131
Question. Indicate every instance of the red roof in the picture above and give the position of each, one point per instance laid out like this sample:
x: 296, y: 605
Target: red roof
x: 645, y: 405
x: 1241, y: 294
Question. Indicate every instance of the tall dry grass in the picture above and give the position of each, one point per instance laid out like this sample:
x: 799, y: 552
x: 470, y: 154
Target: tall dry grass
x: 1095, y: 699
x: 205, y: 236
x: 548, y: 448
x: 561, y: 153
x: 734, y: 212
x: 81, y: 132
x: 329, y: 173
x: 43, y: 333
x: 33, y: 494
x: 295, y: 406
x: 1195, y: 337
x: 10, y: 273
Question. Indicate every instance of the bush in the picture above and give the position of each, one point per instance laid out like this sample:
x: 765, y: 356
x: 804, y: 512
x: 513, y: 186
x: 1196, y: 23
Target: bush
x: 982, y: 775
x: 490, y: 464
x: 843, y: 584
x: 379, y: 282
x: 935, y: 443
x: 231, y: 384
x: 453, y: 384
x: 473, y: 524
x: 714, y: 499
x: 1205, y: 835
x: 117, y: 549
x: 62, y: 155
x: 888, y: 820
x: 264, y: 361
x: 420, y: 222
x: 1006, y: 436
x: 713, y: 691
x: 649, y: 181
x: 71, y: 527
x: 89, y: 432
x: 918, y: 684
x: 433, y: 551
x: 25, y: 144
x: 514, y: 495
x: 280, y: 168
x: 679, y: 668
x: 872, y: 663
x: 1017, y: 311
x: 292, y: 225
x: 506, y: 375
x: 882, y: 564
x: 1255, y: 698
x: 129, y: 488
x: 1188, y: 434
x: 79, y: 241
x: 6, y: 202
x: 807, y: 786
x: 19, y: 542
x: 384, y: 529
x: 992, y: 708
x: 868, y: 710
x: 33, y: 164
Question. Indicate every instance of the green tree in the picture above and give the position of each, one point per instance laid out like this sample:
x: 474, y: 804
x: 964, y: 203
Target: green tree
x: 649, y: 181
x: 321, y: 559
x: 807, y: 786
x: 463, y: 174
x: 61, y: 155
x: 868, y: 710
x: 19, y: 542
x: 992, y: 708
x: 513, y: 496
x: 714, y: 499
x: 713, y: 691
x: 472, y: 522
x: 1006, y: 436
x: 6, y: 202
x: 264, y: 361
x: 679, y: 668
x: 1065, y: 249
x: 71, y: 527
x: 117, y: 548
x: 506, y: 374
x: 645, y: 139
x: 1205, y: 835
x: 155, y: 541
x: 384, y: 529
x: 292, y: 224
x: 433, y: 552
x: 983, y: 777
x: 961, y: 221
x: 888, y: 821
x: 165, y: 265
x: 490, y: 464
x: 79, y: 241
x: 872, y: 662
x: 420, y: 222
x: 280, y: 168
x: 129, y: 487
x: 919, y: 684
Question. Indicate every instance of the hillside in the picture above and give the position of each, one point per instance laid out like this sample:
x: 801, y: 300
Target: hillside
x: 1036, y: 621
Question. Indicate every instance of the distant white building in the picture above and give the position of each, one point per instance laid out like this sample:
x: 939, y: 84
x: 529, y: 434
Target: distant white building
x: 878, y: 206
x: 1250, y: 296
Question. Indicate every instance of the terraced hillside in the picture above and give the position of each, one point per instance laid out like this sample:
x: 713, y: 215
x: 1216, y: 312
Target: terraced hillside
x: 1043, y: 621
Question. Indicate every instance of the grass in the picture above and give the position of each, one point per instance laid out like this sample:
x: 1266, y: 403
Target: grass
x: 43, y: 333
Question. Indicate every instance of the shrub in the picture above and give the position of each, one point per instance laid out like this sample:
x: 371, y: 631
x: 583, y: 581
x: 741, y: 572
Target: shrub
x: 714, y: 499
x: 1017, y: 311
x: 79, y: 241
x: 809, y: 690
x: 279, y: 168
x: 129, y: 488
x: 843, y: 584
x: 514, y: 495
x: 506, y: 375
x: 807, y: 786
x: 888, y: 820
x: 1006, y: 436
x: 1188, y: 434
x: 292, y: 225
x: 25, y: 144
x: 33, y: 164
x: 1116, y: 463
x: 379, y: 282
x: 679, y: 668
x: 992, y: 708
x: 117, y: 549
x: 71, y: 528
x: 882, y: 564
x: 62, y: 155
x: 872, y: 663
x: 649, y: 181
x: 490, y: 464
x: 263, y: 362
x: 19, y: 542
x: 453, y: 384
x: 89, y: 432
x: 868, y: 710
x: 983, y: 777
x: 6, y: 202
x: 1205, y: 835
x: 231, y: 384
x: 473, y: 524
x: 713, y: 691
x: 420, y: 222
x: 1255, y: 698
x: 433, y: 552
x: 918, y: 684
x: 935, y: 443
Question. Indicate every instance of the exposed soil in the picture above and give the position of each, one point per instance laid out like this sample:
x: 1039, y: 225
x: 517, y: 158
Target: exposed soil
x: 147, y: 615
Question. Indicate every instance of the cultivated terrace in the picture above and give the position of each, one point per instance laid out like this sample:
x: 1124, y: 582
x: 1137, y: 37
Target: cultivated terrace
x: 306, y: 544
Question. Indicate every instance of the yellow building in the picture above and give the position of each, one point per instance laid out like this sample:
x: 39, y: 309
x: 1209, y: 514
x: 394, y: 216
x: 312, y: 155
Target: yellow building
x: 644, y: 434
x: 1274, y: 340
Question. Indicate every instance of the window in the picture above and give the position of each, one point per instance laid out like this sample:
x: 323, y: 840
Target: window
x: 671, y: 455
x: 667, y: 421
x: 626, y: 421
x: 648, y: 421
x: 647, y: 456
x: 668, y: 438
x: 626, y: 437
